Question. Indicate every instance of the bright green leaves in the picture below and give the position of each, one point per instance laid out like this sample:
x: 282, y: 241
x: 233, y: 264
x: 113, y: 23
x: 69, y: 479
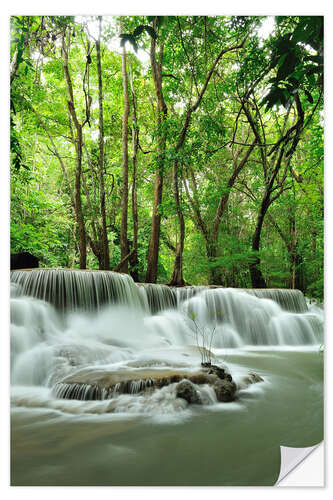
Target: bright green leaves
x: 37, y: 222
x: 297, y: 67
x: 216, y: 141
x: 16, y: 153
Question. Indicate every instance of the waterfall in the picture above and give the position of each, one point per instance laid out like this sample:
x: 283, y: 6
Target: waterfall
x: 158, y: 297
x: 290, y: 300
x: 64, y: 321
x: 72, y: 289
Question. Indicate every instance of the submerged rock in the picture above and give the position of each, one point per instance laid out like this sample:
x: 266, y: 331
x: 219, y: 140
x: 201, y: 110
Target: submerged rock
x: 251, y: 378
x: 186, y: 390
x: 254, y: 377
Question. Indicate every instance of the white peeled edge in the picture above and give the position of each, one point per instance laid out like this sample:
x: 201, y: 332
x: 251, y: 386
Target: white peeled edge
x: 291, y: 458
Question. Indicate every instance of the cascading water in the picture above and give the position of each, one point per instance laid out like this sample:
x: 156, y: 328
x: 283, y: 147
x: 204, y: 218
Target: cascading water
x: 95, y: 343
x: 71, y: 289
x: 104, y: 317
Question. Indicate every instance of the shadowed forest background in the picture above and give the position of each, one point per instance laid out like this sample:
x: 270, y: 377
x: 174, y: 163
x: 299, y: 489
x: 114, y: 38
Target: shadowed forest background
x: 176, y: 149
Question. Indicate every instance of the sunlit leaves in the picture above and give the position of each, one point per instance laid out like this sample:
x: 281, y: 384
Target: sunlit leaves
x: 297, y: 68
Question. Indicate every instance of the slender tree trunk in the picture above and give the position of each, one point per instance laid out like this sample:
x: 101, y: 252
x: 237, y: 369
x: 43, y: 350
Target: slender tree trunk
x: 78, y: 202
x: 296, y: 260
x: 299, y: 272
x: 177, y: 274
x: 105, y: 258
x: 95, y: 241
x: 78, y: 146
x: 216, y: 277
x: 134, y: 262
x: 296, y: 277
x: 257, y: 277
x: 154, y: 242
x: 124, y: 247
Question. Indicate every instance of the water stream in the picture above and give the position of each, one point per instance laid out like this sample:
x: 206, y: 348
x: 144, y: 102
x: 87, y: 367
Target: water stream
x: 91, y: 325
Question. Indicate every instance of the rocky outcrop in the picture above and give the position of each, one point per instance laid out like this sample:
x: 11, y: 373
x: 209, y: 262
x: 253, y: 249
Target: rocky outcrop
x: 224, y: 387
x: 221, y: 373
x: 88, y: 384
x: 187, y: 391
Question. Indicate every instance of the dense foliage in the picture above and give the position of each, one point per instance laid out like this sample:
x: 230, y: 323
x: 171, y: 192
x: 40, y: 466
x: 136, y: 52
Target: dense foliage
x: 186, y: 150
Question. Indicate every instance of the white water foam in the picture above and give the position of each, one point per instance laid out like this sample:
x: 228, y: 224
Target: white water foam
x: 50, y: 343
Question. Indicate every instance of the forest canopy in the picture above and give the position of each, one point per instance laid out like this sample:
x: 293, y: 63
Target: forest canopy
x: 178, y: 149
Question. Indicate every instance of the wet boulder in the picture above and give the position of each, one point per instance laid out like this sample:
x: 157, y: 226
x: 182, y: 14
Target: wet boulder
x: 186, y: 390
x: 225, y: 390
x: 218, y: 371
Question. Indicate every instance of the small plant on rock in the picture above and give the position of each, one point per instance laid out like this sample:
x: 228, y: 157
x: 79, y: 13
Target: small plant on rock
x: 204, y: 336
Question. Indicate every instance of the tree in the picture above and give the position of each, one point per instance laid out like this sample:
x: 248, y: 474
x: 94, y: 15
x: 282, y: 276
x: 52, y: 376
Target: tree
x: 162, y: 112
x: 123, y: 267
x: 216, y: 144
x: 78, y: 143
x: 104, y: 245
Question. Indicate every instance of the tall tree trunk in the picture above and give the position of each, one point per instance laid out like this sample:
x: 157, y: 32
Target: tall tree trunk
x: 134, y: 262
x: 296, y: 280
x: 78, y: 201
x: 296, y: 276
x: 216, y: 277
x: 271, y: 173
x: 177, y: 274
x: 124, y: 247
x: 154, y: 242
x: 105, y: 258
x: 78, y: 145
x: 257, y: 278
x: 299, y: 271
x: 96, y: 240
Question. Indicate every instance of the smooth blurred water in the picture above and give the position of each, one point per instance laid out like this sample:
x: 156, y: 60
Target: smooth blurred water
x: 154, y: 438
x: 222, y: 444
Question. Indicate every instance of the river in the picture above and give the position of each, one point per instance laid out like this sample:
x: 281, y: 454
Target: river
x: 63, y: 323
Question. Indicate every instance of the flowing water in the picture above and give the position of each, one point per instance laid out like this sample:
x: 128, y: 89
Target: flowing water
x: 85, y: 326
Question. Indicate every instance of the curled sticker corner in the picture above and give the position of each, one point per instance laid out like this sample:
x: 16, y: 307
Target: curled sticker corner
x: 291, y: 458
